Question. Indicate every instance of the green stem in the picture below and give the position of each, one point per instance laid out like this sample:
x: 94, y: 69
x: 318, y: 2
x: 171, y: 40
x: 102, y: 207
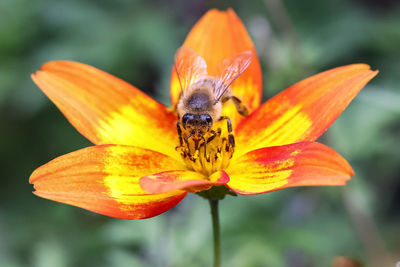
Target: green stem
x: 216, y: 233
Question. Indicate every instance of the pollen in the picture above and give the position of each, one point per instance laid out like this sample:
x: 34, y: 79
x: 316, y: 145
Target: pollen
x: 209, y: 155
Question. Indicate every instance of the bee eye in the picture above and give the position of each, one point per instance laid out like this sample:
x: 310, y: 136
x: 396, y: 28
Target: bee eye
x: 187, y: 117
x: 206, y: 117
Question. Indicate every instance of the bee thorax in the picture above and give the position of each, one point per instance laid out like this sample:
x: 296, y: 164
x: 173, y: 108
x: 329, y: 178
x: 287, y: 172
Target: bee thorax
x: 199, y: 101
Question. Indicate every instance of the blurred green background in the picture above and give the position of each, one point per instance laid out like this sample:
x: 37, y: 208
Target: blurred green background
x: 136, y: 40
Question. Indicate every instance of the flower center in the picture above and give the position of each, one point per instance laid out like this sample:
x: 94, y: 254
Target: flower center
x: 210, y: 153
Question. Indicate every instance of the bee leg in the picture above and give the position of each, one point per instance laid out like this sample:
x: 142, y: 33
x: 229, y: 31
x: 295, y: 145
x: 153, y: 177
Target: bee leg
x: 209, y: 139
x: 214, y: 134
x: 228, y: 123
x: 240, y: 106
x: 178, y: 128
x: 231, y: 139
x: 188, y: 146
x: 181, y: 148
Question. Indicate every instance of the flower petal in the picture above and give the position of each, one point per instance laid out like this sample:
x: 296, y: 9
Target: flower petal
x: 217, y: 36
x: 300, y: 164
x: 181, y: 180
x: 105, y: 179
x: 105, y: 109
x: 304, y: 111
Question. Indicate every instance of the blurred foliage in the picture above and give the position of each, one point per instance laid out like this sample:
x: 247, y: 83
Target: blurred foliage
x: 135, y: 40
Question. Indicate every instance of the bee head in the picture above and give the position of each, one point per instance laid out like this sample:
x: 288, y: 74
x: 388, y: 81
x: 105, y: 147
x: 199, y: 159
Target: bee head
x: 197, y: 123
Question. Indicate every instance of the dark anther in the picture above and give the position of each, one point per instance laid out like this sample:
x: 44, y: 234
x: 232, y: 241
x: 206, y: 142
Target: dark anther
x: 205, y: 145
x: 223, y: 140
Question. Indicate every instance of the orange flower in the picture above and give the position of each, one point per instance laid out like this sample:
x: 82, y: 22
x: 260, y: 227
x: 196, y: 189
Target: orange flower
x: 134, y: 171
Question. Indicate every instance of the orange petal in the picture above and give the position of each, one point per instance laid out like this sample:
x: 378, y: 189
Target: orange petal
x: 181, y: 180
x: 105, y: 179
x: 301, y: 164
x: 304, y: 111
x: 217, y: 36
x: 105, y: 109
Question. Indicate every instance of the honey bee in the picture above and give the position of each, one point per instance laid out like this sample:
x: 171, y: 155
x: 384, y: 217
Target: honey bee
x: 202, y: 95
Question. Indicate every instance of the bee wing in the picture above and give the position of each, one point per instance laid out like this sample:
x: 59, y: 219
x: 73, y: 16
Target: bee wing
x: 228, y: 70
x: 189, y: 67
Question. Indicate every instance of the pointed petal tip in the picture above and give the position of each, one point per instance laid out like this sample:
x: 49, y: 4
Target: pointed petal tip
x: 34, y: 76
x: 361, y: 67
x: 33, y: 177
x: 229, y: 10
x: 45, y: 66
x: 356, y: 69
x: 351, y: 172
x: 38, y: 77
x: 374, y: 72
x: 54, y: 63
